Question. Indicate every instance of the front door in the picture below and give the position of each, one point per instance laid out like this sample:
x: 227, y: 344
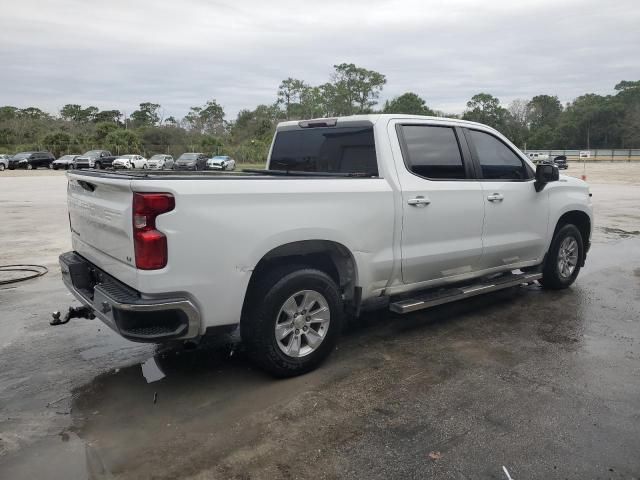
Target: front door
x: 516, y: 216
x: 442, y: 206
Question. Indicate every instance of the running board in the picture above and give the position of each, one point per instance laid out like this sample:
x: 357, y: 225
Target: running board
x: 446, y: 295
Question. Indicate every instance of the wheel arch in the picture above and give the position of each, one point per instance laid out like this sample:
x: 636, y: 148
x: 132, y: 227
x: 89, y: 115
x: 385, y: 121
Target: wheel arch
x: 582, y: 221
x: 329, y: 256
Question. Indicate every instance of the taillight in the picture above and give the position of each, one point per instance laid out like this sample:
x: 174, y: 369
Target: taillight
x: 150, y: 244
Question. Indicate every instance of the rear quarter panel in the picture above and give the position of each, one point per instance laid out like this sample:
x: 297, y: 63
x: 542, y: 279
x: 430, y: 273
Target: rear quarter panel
x: 220, y: 229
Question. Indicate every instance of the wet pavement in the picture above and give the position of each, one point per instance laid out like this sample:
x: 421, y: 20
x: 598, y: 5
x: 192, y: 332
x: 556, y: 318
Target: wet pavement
x: 544, y: 383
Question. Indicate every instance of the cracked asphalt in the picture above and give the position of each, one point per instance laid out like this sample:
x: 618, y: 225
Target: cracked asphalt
x: 544, y: 383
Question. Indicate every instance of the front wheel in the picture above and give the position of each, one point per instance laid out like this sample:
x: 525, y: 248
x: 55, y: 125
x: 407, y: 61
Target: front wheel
x: 29, y: 166
x: 98, y: 166
x: 564, y: 258
x: 1, y: 167
x: 292, y: 320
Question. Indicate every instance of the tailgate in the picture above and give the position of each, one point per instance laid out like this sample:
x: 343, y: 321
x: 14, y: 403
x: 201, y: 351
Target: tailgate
x: 101, y: 223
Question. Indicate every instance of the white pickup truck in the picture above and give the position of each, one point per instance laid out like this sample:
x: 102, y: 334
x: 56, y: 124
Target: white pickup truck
x: 352, y: 213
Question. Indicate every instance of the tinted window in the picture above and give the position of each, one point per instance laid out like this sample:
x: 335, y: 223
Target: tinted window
x: 333, y: 150
x: 433, y: 152
x: 497, y: 161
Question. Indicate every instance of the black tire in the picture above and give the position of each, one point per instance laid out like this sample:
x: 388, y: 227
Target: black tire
x: 98, y: 166
x: 29, y: 166
x: 1, y: 167
x: 552, y: 277
x: 260, y: 315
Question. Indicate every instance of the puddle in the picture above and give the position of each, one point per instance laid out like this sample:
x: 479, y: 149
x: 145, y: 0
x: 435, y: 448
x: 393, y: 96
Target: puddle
x: 620, y: 232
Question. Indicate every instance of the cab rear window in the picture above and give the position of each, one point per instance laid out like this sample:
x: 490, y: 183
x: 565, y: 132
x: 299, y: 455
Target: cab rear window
x: 327, y: 150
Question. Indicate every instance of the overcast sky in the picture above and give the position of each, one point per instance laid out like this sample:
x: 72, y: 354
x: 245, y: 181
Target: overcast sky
x: 181, y: 53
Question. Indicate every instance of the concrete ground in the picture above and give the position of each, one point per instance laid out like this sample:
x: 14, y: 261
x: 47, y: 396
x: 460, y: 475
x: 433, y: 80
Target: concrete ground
x: 544, y: 383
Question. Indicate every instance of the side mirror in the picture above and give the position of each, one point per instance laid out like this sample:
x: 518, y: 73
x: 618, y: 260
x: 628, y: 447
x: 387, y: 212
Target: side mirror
x: 545, y: 173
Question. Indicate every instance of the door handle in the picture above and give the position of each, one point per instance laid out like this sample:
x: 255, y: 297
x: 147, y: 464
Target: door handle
x: 419, y: 200
x: 495, y: 197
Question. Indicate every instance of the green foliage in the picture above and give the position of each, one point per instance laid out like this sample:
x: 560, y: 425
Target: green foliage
x: 122, y: 142
x: 208, y: 119
x: 147, y: 115
x: 594, y: 121
x: 408, y: 103
x: 485, y: 108
x: 58, y: 143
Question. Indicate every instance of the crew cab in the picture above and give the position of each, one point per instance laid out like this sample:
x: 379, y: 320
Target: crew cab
x: 374, y: 211
x: 97, y: 159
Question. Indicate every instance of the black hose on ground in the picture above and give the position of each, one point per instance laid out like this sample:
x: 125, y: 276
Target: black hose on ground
x: 35, y: 272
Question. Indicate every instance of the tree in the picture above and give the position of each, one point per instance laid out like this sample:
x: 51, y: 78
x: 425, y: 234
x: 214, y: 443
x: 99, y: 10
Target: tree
x: 123, y: 141
x: 8, y: 113
x: 107, y: 116
x: 485, y: 108
x: 290, y: 94
x: 255, y: 124
x: 517, y: 121
x: 207, y: 119
x: 146, y: 116
x: 103, y: 129
x: 74, y: 112
x: 544, y: 110
x: 57, y: 143
x: 356, y: 89
x: 34, y: 113
x: 408, y: 103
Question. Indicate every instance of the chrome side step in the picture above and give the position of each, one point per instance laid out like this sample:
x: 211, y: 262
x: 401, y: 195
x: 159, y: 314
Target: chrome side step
x: 446, y: 295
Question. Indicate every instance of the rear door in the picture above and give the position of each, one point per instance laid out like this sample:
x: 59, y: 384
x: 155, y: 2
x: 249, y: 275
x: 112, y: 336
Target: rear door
x: 516, y: 216
x: 101, y: 222
x: 442, y: 203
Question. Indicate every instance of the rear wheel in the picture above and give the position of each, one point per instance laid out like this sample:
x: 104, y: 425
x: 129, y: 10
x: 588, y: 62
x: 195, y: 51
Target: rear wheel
x: 292, y: 320
x: 1, y: 167
x: 29, y: 166
x: 564, y: 258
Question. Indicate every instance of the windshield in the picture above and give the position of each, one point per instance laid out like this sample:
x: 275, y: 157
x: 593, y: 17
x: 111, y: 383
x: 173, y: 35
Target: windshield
x: 189, y: 156
x: 220, y: 158
x: 326, y: 150
x: 20, y: 156
x: 66, y: 157
x: 126, y: 157
x: 157, y: 157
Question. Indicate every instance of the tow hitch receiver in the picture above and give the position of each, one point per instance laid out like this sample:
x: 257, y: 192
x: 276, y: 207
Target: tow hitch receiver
x: 74, y: 312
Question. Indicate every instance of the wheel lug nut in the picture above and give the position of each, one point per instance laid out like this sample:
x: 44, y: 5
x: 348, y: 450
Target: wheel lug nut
x: 297, y: 331
x: 304, y: 328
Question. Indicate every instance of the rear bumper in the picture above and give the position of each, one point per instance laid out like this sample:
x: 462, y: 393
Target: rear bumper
x: 124, y: 309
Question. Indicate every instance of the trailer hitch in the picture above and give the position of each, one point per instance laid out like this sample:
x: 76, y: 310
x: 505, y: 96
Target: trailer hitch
x: 74, y: 312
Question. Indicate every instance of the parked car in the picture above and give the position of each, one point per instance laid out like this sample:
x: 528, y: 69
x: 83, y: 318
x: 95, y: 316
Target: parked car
x: 65, y: 162
x: 31, y: 160
x: 538, y: 157
x: 97, y: 159
x: 353, y: 213
x: 191, y: 161
x: 130, y: 161
x: 4, y: 162
x: 561, y: 162
x: 221, y: 162
x: 160, y: 162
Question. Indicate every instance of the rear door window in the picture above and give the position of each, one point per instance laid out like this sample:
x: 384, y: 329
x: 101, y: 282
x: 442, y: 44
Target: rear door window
x: 327, y: 150
x: 433, y: 152
x: 497, y: 161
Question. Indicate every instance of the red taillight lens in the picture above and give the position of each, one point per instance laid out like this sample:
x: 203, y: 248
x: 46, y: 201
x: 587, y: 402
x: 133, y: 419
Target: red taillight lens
x: 150, y: 244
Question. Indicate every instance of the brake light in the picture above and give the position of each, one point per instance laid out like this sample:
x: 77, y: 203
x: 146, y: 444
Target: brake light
x: 150, y: 245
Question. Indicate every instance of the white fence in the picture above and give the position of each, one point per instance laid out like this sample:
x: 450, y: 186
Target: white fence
x: 600, y: 155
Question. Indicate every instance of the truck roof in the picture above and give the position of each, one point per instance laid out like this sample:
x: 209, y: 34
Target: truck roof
x: 371, y: 118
